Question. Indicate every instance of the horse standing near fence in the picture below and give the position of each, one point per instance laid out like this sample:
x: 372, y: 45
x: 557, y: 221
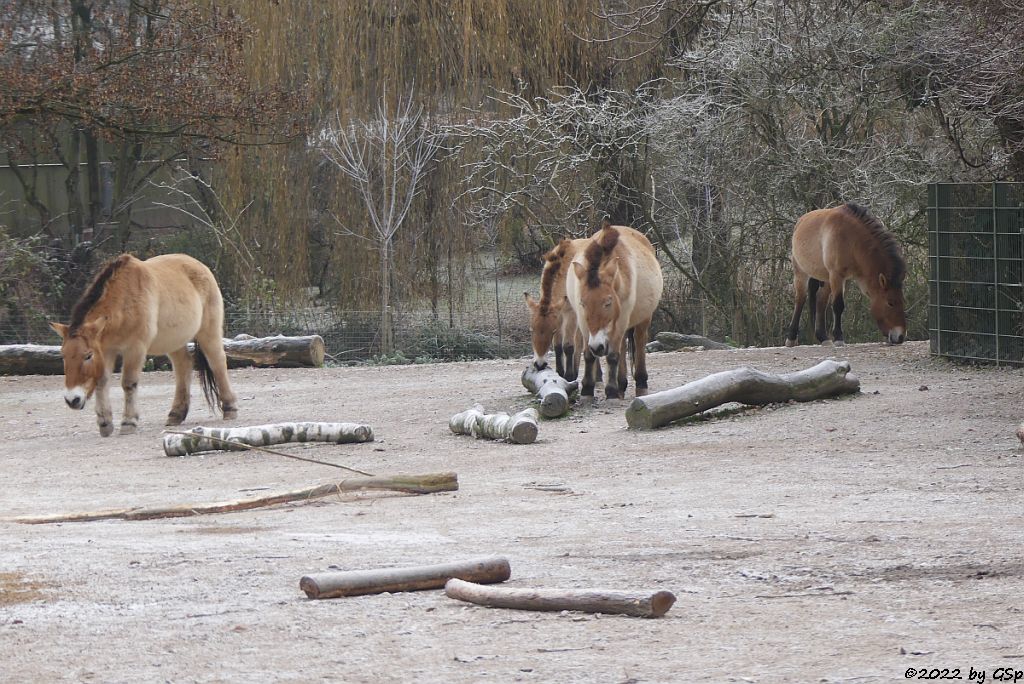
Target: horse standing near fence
x: 614, y: 286
x: 133, y: 308
x: 552, y: 319
x: 831, y: 246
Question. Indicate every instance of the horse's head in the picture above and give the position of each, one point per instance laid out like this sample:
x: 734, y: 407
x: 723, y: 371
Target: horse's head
x: 544, y: 322
x: 599, y: 300
x: 83, y: 360
x: 887, y: 307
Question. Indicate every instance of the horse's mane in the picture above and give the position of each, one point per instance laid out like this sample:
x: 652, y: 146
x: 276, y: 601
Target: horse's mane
x: 553, y: 261
x: 597, y: 251
x: 94, y: 291
x: 888, y: 244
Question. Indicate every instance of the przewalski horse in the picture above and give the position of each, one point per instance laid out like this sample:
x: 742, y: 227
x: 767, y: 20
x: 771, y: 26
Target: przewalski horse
x: 614, y: 286
x: 552, y: 320
x: 831, y: 246
x: 133, y: 308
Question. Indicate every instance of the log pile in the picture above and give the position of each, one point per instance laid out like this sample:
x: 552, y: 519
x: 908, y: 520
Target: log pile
x: 744, y: 385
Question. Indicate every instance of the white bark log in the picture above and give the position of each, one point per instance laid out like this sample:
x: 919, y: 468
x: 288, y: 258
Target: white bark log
x: 551, y: 388
x: 264, y: 435
x: 520, y: 428
x: 636, y: 604
x: 745, y: 385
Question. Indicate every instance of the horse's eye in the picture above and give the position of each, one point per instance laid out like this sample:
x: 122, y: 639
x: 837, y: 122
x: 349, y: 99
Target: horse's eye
x: 88, y: 356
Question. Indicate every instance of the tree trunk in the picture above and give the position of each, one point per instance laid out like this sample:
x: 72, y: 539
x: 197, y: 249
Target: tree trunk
x: 264, y: 435
x: 276, y: 352
x: 553, y: 390
x: 520, y: 428
x: 586, y: 600
x: 359, y: 582
x: 745, y: 385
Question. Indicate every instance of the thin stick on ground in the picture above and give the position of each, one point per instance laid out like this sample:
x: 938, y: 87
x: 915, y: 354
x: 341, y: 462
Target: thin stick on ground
x: 250, y: 447
x: 406, y: 484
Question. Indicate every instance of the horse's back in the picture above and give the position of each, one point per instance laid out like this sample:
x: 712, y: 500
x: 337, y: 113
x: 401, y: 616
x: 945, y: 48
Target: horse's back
x: 647, y: 277
x: 819, y: 239
x: 184, y: 297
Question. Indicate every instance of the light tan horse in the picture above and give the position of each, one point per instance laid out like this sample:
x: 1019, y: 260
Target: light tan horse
x: 831, y: 246
x: 552, y: 320
x: 133, y: 308
x: 614, y: 287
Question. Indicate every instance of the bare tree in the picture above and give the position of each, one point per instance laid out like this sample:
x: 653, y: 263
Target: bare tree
x: 386, y: 159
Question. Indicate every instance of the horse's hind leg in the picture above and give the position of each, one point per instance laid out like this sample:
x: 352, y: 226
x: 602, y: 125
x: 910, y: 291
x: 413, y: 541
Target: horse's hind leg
x: 131, y: 370
x: 817, y: 299
x: 800, y: 290
x: 837, y: 286
x: 640, y: 333
x: 181, y: 362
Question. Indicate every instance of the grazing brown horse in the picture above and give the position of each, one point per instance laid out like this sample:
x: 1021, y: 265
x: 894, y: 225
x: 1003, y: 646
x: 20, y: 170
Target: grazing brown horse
x: 552, y: 320
x: 831, y: 246
x: 614, y: 287
x: 133, y: 308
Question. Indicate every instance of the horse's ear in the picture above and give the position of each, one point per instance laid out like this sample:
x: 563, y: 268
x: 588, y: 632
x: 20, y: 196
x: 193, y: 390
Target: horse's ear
x: 60, y: 329
x: 556, y: 307
x: 580, y: 270
x: 883, y: 281
x: 530, y: 301
x: 613, y: 268
x: 92, y: 329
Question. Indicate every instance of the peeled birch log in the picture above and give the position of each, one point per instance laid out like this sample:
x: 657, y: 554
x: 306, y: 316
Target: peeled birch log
x: 278, y: 351
x: 673, y: 341
x: 520, y: 428
x: 326, y: 585
x: 586, y: 600
x: 406, y: 484
x: 263, y: 435
x: 745, y: 385
x: 552, y: 389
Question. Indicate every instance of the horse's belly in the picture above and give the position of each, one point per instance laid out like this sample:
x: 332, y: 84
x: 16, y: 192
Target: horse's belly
x: 175, y: 328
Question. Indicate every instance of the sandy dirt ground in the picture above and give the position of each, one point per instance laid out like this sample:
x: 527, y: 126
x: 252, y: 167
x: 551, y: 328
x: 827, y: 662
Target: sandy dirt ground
x: 849, y: 540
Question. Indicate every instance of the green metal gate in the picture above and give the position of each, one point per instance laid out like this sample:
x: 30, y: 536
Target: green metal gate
x: 976, y: 258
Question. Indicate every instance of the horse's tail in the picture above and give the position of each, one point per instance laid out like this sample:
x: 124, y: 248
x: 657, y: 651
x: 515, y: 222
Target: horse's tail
x: 631, y: 348
x: 207, y: 380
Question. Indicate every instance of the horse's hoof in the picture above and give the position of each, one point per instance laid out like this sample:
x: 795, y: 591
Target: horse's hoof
x: 128, y: 428
x: 230, y: 414
x: 790, y: 343
x: 174, y: 419
x: 611, y: 393
x: 642, y: 391
x: 106, y: 429
x: 586, y: 401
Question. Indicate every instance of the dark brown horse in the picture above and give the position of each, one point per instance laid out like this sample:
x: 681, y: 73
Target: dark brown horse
x: 831, y: 246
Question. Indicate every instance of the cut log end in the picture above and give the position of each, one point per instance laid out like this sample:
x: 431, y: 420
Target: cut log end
x: 554, y: 405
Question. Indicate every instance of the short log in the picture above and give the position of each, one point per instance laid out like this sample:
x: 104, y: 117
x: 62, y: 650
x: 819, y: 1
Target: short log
x: 587, y: 600
x: 359, y: 582
x: 668, y: 340
x: 552, y: 389
x: 519, y: 428
x: 745, y: 385
x: 202, y: 438
x: 31, y: 359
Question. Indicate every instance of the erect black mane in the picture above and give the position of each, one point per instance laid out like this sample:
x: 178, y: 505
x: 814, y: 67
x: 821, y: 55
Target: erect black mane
x: 94, y: 292
x: 552, y: 264
x: 888, y: 244
x: 596, y: 253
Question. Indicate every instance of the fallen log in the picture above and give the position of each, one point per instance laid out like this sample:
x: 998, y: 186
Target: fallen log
x: 202, y: 438
x: 673, y: 341
x: 745, y: 385
x: 405, y: 484
x: 586, y: 600
x: 281, y: 352
x: 552, y: 389
x: 520, y: 428
x: 326, y: 585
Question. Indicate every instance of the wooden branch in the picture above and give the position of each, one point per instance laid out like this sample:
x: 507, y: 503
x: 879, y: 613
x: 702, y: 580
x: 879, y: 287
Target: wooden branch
x: 279, y: 351
x: 586, y: 600
x: 225, y: 439
x: 406, y: 484
x: 552, y: 389
x: 520, y: 428
x: 358, y: 582
x: 673, y: 341
x: 745, y: 385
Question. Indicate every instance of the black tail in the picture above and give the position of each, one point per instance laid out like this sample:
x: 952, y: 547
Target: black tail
x: 206, y: 379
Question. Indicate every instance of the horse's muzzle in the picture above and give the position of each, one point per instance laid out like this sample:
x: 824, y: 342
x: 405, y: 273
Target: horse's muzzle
x: 75, y: 398
x: 896, y: 336
x: 75, y: 403
x: 599, y: 350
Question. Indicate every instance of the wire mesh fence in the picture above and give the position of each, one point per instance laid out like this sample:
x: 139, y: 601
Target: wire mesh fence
x: 976, y: 283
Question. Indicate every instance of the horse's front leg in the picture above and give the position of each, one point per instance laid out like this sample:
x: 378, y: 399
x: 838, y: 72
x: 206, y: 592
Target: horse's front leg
x: 131, y: 370
x: 615, y: 385
x: 181, y: 362
x: 589, y: 361
x: 559, y: 358
x: 104, y: 414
